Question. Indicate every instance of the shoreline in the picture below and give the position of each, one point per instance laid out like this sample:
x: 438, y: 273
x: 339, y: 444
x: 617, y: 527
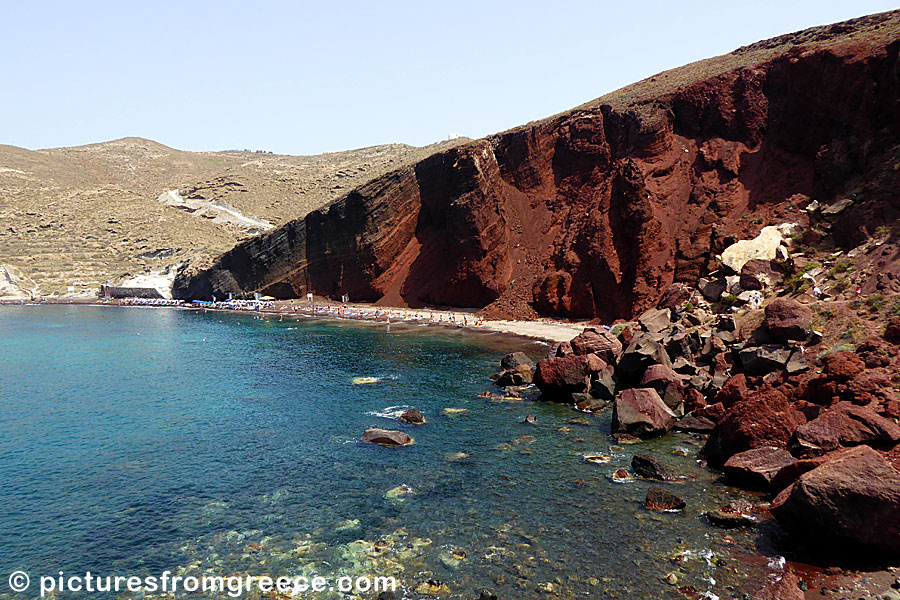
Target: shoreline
x: 548, y: 331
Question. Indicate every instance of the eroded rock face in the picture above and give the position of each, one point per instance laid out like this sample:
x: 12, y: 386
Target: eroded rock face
x: 852, y: 500
x: 597, y: 211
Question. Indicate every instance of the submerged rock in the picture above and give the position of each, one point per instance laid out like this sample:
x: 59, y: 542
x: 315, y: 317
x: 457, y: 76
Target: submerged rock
x: 648, y: 467
x: 386, y: 437
x: 733, y: 515
x: 659, y: 499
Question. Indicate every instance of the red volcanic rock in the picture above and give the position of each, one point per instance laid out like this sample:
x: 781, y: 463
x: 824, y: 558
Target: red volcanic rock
x: 757, y: 468
x: 734, y: 390
x: 787, y: 587
x: 792, y: 472
x: 675, y: 296
x: 693, y: 400
x: 758, y: 274
x: 386, y: 437
x: 851, y: 502
x: 599, y: 342
x: 714, y: 412
x: 560, y: 377
x: 642, y: 413
x: 843, y: 365
x: 787, y: 319
x: 659, y: 377
x: 595, y: 212
x: 661, y: 500
x: 413, y: 416
x: 892, y: 330
x: 766, y: 418
x: 844, y: 424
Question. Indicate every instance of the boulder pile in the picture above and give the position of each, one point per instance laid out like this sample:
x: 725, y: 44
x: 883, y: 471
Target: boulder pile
x: 818, y: 434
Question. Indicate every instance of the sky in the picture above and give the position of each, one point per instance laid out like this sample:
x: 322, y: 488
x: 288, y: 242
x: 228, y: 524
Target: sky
x: 309, y: 77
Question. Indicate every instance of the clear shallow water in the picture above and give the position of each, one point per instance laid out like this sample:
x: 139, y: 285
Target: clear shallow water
x: 129, y: 445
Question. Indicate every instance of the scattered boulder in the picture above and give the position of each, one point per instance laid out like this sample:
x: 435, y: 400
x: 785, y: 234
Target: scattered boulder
x: 560, y: 349
x: 515, y: 359
x: 759, y: 274
x: 655, y: 320
x: 711, y: 289
x: 661, y: 500
x: 765, y: 418
x: 761, y: 360
x: 675, y: 296
x: 734, y: 390
x: 412, y: 416
x: 659, y: 377
x: 843, y: 366
x: 597, y: 341
x: 892, y: 330
x: 757, y: 468
x: 844, y: 424
x: 642, y: 413
x: 786, y: 319
x: 648, y: 467
x: 695, y: 424
x: 560, y: 377
x: 850, y: 501
x: 642, y: 352
x: 386, y: 437
x: 519, y: 375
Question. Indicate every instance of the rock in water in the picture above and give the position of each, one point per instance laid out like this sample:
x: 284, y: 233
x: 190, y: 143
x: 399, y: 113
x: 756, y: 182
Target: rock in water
x: 660, y: 499
x: 734, y: 514
x: 787, y: 319
x: 386, y: 437
x: 560, y: 377
x: 785, y: 588
x: 758, y: 467
x: 851, y: 502
x: 641, y: 412
x: 412, y: 416
x: 514, y: 359
x: 648, y: 467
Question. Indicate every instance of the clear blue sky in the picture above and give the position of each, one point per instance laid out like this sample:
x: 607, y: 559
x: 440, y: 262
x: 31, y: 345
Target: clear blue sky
x: 308, y: 77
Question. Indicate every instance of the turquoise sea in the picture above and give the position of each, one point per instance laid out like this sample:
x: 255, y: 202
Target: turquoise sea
x: 137, y: 440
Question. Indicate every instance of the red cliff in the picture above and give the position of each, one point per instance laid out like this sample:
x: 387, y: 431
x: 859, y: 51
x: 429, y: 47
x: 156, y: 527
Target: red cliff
x: 596, y: 211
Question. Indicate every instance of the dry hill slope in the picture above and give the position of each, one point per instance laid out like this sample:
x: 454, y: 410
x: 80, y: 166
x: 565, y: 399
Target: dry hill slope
x: 92, y: 213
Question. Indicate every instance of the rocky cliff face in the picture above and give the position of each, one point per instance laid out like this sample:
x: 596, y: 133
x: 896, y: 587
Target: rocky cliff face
x: 594, y: 212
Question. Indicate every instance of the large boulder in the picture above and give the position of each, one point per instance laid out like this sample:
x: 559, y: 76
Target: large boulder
x: 642, y: 413
x: 764, y: 247
x: 386, y: 437
x: 659, y: 377
x: 597, y: 341
x: 648, y: 467
x: 761, y: 360
x: 560, y: 377
x: 757, y: 468
x: 515, y: 359
x: 765, y: 418
x: 758, y: 274
x: 520, y: 375
x: 787, y: 319
x: 655, y: 320
x: 851, y: 502
x: 842, y: 366
x: 844, y: 424
x: 644, y: 350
